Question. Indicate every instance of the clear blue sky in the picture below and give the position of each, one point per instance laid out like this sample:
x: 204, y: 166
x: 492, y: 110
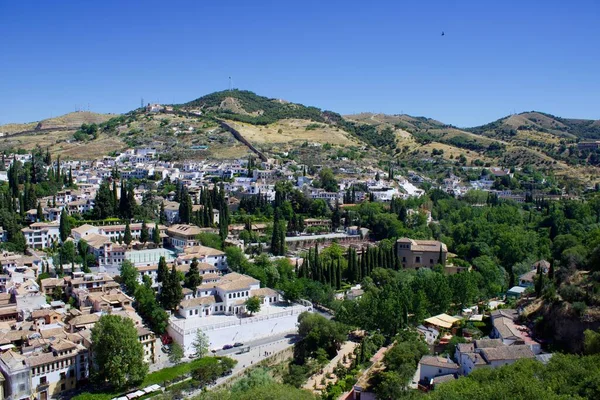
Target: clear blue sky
x: 347, y: 56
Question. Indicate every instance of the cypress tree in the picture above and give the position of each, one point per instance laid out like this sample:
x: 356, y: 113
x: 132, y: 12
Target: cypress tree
x: 338, y: 282
x: 192, y: 277
x: 123, y: 206
x: 40, y: 212
x: 115, y: 199
x: 65, y: 225
x: 363, y: 264
x: 127, y: 238
x: 162, y: 216
x: 144, y: 235
x: 172, y: 291
x: 156, y: 235
x: 162, y: 271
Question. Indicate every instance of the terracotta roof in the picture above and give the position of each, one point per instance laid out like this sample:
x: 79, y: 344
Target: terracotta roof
x: 84, y: 319
x: 202, y: 250
x: 184, y: 230
x: 235, y: 281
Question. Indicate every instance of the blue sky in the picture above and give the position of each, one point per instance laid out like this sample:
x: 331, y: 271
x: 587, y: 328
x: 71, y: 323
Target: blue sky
x: 348, y: 56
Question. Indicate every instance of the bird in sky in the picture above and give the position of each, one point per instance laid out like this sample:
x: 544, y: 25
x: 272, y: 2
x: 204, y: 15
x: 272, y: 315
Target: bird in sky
x: 443, y: 34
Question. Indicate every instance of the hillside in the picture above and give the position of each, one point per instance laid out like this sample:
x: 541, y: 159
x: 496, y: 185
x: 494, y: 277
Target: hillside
x: 194, y: 129
x: 539, y: 122
x: 246, y: 106
x: 57, y: 133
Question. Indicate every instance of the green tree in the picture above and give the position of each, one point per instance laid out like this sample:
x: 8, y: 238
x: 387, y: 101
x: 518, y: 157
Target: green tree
x: 172, y: 292
x: 176, y: 353
x: 65, y: 225
x: 192, y: 277
x: 129, y: 274
x: 127, y: 238
x: 67, y: 252
x: 162, y: 271
x: 236, y: 260
x: 327, y: 180
x: 591, y: 342
x: 147, y: 306
x: 118, y: 354
x: 40, y: 212
x: 104, y: 203
x: 156, y: 235
x: 253, y: 304
x: 144, y: 235
x: 200, y: 343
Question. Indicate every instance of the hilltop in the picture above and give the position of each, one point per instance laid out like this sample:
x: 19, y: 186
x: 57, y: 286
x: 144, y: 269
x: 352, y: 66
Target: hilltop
x: 202, y: 128
x: 535, y: 121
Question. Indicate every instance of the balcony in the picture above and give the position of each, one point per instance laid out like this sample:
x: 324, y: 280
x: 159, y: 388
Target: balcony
x: 42, y: 386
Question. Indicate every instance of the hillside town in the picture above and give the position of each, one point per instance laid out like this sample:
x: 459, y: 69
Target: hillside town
x: 79, y: 252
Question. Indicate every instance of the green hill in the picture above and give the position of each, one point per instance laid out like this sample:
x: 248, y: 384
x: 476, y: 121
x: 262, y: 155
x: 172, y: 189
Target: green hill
x: 536, y: 121
x: 246, y: 106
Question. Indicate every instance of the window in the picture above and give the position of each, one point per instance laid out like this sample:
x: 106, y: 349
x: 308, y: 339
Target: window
x: 63, y: 376
x: 403, y: 259
x: 431, y: 261
x: 62, y: 387
x: 418, y: 259
x: 72, y: 373
x: 43, y: 380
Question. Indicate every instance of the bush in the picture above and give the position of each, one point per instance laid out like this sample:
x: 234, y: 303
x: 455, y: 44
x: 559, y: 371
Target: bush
x: 580, y: 308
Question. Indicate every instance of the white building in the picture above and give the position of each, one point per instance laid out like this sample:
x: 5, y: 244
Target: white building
x: 218, y: 309
x: 41, y: 235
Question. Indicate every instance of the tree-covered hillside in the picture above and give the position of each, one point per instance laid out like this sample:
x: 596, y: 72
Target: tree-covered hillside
x: 247, y: 106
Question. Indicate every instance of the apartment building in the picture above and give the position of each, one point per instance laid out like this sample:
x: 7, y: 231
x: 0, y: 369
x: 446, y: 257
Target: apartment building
x: 41, y: 235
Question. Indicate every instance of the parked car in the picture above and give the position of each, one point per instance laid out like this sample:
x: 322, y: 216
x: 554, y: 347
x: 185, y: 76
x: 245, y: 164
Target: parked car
x: 227, y: 347
x: 165, y: 349
x: 238, y: 344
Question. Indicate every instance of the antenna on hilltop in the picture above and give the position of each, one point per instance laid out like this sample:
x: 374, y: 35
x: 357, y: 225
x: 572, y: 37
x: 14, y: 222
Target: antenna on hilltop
x: 142, y: 103
x: 230, y: 84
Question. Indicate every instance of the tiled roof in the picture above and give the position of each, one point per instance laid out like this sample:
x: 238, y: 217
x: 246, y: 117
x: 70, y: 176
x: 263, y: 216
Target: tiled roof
x: 514, y: 352
x: 440, y: 362
x: 197, y: 301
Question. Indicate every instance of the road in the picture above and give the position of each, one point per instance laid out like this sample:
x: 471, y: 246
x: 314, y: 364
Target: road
x: 259, y: 350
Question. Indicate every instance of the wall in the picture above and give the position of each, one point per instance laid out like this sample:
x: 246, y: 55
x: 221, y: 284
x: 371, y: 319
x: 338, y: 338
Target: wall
x: 430, y: 372
x: 243, y: 333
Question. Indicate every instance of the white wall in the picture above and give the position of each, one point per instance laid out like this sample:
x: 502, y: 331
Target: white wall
x: 430, y: 372
x: 237, y: 333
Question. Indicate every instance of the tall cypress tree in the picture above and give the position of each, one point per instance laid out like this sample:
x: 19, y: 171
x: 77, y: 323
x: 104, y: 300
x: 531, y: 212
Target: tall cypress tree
x: 162, y: 271
x: 338, y: 282
x: 144, y: 234
x: 123, y: 206
x: 65, y: 225
x: 115, y: 199
x: 40, y: 212
x: 156, y: 235
x: 127, y: 238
